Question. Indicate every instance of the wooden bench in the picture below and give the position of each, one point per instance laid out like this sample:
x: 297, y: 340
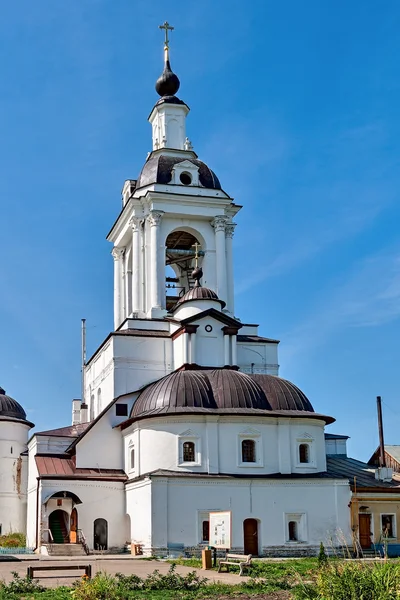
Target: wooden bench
x: 240, y: 560
x: 86, y: 568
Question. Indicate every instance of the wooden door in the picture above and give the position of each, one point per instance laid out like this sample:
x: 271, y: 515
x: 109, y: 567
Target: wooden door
x: 73, y: 530
x: 364, y: 524
x: 250, y: 536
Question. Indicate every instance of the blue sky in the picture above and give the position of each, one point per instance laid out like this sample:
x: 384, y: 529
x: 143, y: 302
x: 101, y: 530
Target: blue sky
x: 295, y: 105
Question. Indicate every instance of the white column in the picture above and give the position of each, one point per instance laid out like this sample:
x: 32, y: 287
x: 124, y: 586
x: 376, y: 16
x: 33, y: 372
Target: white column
x: 117, y: 254
x: 185, y: 348
x: 154, y: 219
x: 192, y: 348
x: 136, y: 283
x: 219, y: 224
x: 230, y: 227
x: 226, y: 350
x: 234, y: 349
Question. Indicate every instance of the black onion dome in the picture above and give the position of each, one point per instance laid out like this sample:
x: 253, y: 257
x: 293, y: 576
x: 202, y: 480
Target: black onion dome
x: 10, y: 407
x: 282, y: 394
x: 158, y: 169
x: 199, y: 293
x: 181, y: 390
x: 168, y: 83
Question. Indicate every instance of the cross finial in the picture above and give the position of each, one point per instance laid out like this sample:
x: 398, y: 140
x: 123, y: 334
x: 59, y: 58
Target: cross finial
x: 167, y: 27
x: 196, y: 247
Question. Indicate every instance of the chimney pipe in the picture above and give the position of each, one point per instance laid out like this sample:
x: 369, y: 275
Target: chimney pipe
x: 382, y: 459
x: 83, y: 321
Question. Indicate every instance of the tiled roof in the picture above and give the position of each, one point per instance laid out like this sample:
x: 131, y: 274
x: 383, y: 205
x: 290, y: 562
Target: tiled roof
x: 69, y: 431
x: 63, y: 467
x: 364, y: 474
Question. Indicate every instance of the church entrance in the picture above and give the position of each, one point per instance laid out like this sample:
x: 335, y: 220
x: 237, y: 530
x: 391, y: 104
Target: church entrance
x: 364, y: 524
x: 100, y: 534
x: 58, y: 525
x: 250, y: 536
x: 73, y: 530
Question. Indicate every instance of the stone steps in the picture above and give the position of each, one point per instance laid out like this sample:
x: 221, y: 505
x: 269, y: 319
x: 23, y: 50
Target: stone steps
x: 65, y: 550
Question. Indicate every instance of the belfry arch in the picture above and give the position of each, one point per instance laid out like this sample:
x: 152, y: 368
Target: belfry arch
x: 180, y: 253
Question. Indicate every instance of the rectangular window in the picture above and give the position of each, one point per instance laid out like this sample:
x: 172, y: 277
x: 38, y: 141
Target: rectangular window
x: 132, y: 458
x: 388, y: 526
x: 205, y: 531
x: 248, y: 451
x: 121, y: 410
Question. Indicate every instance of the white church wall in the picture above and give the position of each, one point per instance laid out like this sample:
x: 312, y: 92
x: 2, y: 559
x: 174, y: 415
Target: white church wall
x: 13, y: 481
x: 99, y: 379
x: 49, y: 444
x: 218, y: 448
x: 210, y: 344
x: 101, y: 446
x: 32, y: 494
x: 320, y: 507
x: 190, y: 309
x: 139, y: 361
x: 258, y: 358
x: 140, y: 509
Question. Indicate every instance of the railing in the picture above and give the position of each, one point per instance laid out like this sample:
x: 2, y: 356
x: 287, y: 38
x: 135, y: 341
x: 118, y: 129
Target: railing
x: 82, y: 540
x: 50, y: 539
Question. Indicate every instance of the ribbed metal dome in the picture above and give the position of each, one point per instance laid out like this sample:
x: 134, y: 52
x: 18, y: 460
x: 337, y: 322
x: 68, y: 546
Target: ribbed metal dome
x: 199, y: 293
x: 222, y: 391
x: 282, y: 394
x: 10, y: 407
x: 158, y: 169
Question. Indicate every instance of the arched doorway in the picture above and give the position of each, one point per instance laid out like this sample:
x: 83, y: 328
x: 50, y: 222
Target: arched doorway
x: 58, y: 525
x: 100, y: 534
x: 73, y: 528
x: 250, y: 536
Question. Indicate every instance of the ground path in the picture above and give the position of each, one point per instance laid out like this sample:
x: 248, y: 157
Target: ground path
x: 125, y: 564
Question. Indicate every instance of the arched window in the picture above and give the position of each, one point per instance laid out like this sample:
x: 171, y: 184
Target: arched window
x: 248, y: 451
x: 132, y: 458
x: 293, y: 531
x: 188, y: 452
x: 205, y: 537
x: 304, y: 453
x: 92, y: 407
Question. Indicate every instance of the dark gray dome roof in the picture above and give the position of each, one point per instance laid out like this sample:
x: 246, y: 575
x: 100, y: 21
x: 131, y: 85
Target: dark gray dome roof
x: 221, y: 391
x: 158, y: 169
x: 199, y: 293
x: 10, y: 407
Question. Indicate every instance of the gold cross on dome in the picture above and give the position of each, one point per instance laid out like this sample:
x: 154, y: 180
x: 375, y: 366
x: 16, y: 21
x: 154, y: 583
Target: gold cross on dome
x: 167, y: 27
x: 196, y: 247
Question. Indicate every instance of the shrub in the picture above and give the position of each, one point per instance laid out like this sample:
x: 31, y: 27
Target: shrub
x: 20, y: 585
x: 13, y: 540
x: 322, y: 556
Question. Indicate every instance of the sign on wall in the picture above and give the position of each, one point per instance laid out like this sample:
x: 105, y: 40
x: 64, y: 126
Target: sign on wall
x: 220, y: 529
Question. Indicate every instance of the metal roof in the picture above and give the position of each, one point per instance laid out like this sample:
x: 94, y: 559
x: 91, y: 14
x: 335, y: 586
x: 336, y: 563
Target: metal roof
x: 364, y: 474
x: 63, y: 466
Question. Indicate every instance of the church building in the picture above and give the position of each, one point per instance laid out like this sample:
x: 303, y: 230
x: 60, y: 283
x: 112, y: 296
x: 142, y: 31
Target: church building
x: 184, y: 413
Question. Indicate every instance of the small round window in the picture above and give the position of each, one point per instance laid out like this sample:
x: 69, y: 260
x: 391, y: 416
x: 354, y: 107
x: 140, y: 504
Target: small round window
x: 185, y: 178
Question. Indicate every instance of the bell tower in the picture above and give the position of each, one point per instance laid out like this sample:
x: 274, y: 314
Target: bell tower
x: 175, y: 206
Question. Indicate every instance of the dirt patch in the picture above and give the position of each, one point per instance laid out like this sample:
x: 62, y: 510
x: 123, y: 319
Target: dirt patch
x: 282, y: 595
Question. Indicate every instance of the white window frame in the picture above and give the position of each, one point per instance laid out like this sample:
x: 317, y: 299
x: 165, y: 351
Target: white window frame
x: 131, y: 446
x: 255, y: 436
x: 394, y: 537
x: 301, y: 520
x: 312, y: 463
x: 189, y: 436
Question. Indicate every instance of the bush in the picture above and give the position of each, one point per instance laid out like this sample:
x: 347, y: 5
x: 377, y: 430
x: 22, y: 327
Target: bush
x: 20, y: 585
x: 322, y: 556
x: 13, y: 540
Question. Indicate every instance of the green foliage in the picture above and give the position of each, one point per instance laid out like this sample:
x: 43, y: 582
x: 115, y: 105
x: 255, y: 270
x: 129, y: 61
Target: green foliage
x: 20, y: 585
x: 13, y: 540
x: 322, y: 556
x: 353, y: 581
x: 187, y: 562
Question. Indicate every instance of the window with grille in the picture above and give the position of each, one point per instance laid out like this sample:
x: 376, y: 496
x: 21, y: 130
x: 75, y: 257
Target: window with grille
x: 304, y: 453
x: 248, y: 451
x: 189, y: 452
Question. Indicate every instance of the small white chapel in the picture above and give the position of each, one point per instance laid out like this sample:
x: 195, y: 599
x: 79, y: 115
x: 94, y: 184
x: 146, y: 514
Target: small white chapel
x: 183, y: 413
